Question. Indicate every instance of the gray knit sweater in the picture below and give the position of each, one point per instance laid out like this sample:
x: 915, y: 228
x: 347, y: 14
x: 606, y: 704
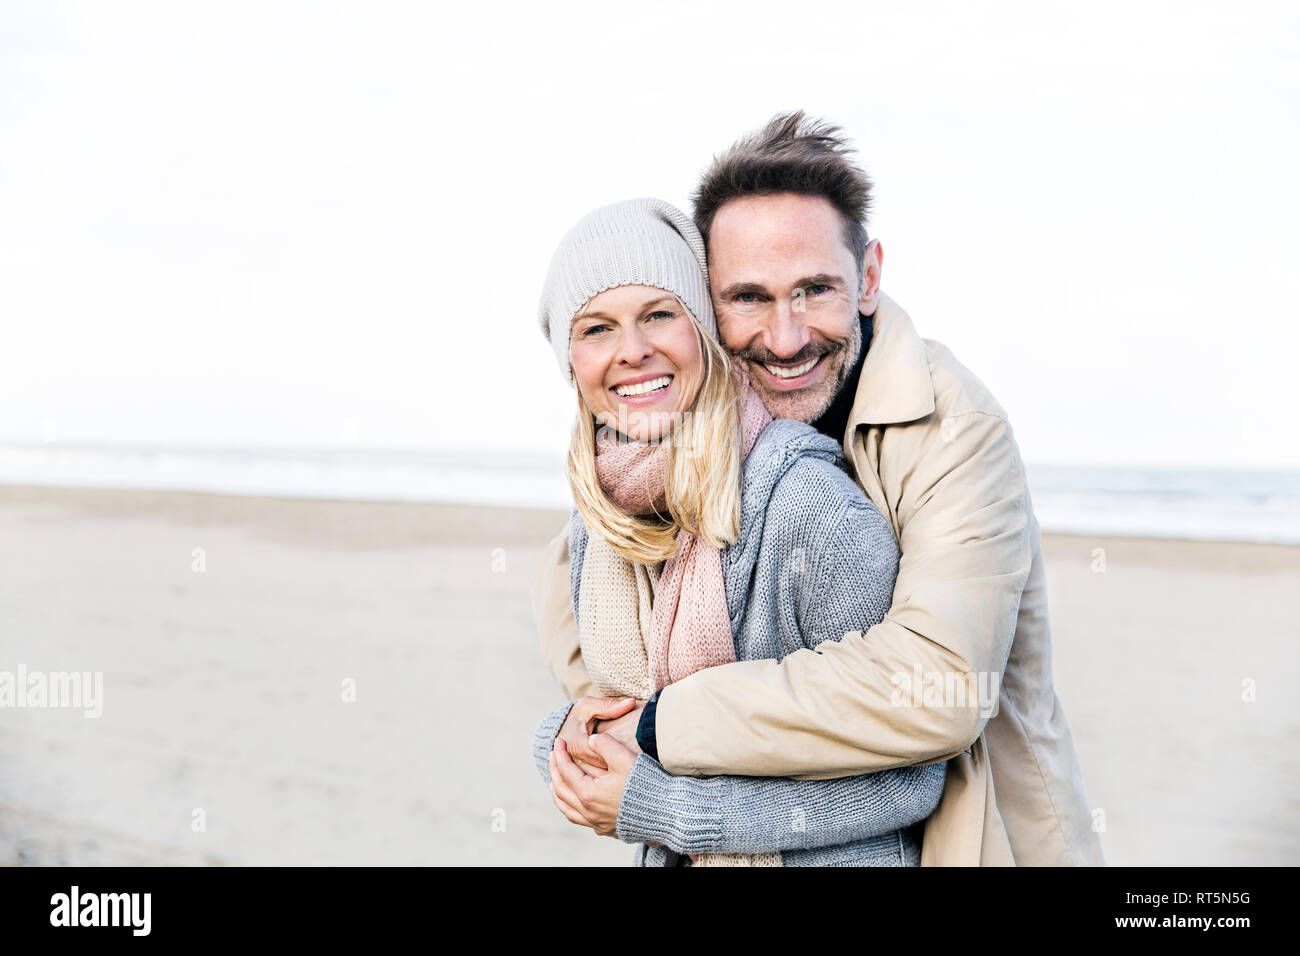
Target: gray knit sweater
x: 814, y: 559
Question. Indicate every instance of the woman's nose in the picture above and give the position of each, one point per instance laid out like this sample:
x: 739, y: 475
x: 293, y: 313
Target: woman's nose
x: 633, y: 347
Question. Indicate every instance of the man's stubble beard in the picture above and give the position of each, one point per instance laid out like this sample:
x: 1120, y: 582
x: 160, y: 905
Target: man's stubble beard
x: 795, y: 404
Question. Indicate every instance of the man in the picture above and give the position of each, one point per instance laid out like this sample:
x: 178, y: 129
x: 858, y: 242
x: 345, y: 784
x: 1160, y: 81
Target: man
x: 796, y: 288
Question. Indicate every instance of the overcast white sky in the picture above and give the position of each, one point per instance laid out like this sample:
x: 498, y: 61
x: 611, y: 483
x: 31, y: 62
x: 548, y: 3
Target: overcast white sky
x: 327, y: 223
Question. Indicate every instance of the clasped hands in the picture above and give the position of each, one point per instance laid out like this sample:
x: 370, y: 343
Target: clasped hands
x: 592, y: 757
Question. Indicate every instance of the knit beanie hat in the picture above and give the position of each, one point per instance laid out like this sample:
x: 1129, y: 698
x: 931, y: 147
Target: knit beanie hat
x: 636, y: 242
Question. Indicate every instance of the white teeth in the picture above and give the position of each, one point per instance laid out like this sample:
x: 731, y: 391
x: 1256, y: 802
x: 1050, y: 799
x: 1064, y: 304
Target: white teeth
x: 643, y: 388
x: 794, y: 371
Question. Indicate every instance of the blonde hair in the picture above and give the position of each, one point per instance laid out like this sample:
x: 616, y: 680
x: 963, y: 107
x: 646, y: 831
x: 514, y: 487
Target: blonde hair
x: 703, y: 470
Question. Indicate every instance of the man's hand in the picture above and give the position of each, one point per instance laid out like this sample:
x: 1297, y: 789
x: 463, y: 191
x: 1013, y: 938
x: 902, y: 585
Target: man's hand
x: 581, y: 724
x: 623, y: 729
x: 586, y: 800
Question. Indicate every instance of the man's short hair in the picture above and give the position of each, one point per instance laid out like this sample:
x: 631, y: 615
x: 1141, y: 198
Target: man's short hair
x: 793, y: 153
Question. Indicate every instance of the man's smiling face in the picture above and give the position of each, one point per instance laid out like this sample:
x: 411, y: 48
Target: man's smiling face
x: 787, y: 293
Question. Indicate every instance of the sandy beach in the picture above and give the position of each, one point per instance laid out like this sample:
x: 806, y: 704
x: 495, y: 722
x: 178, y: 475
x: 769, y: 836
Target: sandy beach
x: 231, y: 630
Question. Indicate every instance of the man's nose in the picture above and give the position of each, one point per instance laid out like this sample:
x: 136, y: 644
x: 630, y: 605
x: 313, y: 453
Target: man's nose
x: 786, y: 333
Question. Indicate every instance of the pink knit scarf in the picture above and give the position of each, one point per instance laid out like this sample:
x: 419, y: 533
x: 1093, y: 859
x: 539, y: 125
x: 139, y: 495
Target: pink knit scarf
x: 690, y: 628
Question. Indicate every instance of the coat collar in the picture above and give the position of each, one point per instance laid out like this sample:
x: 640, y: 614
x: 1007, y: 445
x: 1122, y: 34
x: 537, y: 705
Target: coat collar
x: 895, y: 384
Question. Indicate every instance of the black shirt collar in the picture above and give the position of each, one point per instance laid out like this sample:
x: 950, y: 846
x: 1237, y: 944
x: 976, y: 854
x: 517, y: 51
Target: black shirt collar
x: 835, y: 419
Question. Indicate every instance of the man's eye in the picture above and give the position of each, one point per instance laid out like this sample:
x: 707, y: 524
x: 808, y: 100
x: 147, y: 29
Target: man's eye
x: 747, y: 297
x: 818, y: 289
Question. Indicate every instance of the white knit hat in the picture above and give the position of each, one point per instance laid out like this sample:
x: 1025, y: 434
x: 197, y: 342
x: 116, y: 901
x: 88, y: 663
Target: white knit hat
x: 636, y: 242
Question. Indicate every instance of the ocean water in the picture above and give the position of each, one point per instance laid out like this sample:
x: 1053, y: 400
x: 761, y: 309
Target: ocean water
x: 1203, y: 504
x: 1222, y: 504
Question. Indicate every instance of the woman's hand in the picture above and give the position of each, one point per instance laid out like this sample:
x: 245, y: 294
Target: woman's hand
x: 582, y: 723
x: 591, y: 801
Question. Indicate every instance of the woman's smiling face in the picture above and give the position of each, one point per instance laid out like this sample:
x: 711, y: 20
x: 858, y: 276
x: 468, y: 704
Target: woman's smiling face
x: 636, y: 360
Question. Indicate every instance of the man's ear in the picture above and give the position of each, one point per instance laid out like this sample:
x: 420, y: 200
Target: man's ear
x: 871, y: 266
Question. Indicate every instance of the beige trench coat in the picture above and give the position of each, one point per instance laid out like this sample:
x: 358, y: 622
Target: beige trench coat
x: 934, y: 451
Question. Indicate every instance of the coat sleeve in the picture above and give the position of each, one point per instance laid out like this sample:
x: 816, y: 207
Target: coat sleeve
x: 838, y: 709
x: 553, y: 613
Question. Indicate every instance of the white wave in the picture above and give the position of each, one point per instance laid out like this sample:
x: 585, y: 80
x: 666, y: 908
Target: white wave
x: 1220, y: 504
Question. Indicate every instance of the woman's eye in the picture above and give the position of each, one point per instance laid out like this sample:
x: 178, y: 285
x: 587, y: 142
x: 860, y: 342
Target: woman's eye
x: 591, y: 330
x: 661, y: 315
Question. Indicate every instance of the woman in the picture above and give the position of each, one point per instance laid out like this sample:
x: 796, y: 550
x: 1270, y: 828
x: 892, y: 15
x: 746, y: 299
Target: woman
x: 705, y: 532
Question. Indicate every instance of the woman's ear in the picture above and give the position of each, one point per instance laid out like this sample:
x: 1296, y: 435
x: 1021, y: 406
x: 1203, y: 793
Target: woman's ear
x: 872, y: 262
